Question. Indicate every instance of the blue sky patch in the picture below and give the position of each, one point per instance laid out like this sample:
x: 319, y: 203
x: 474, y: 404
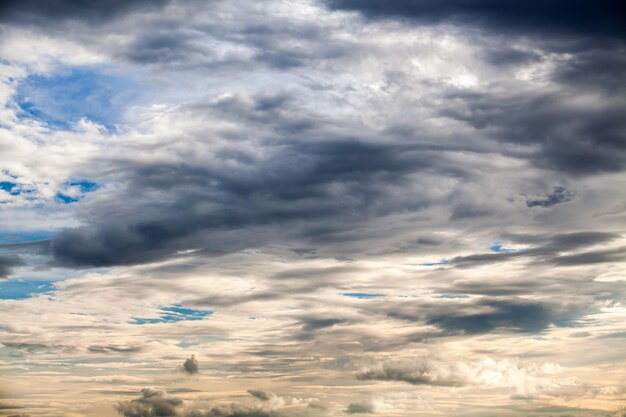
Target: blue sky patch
x: 17, y: 289
x: 75, y: 191
x: 63, y: 98
x: 9, y: 187
x: 174, y: 314
x: 65, y: 199
x: 84, y: 186
x: 21, y: 237
x: 362, y: 295
x: 498, y: 247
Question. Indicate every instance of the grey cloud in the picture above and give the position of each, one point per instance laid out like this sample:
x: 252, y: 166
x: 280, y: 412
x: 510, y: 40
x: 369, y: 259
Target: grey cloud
x: 113, y: 349
x: 312, y: 325
x: 506, y: 314
x: 48, y: 12
x: 600, y: 18
x: 232, y: 410
x: 262, y: 395
x: 419, y: 373
x: 363, y: 407
x: 548, y: 249
x: 191, y: 365
x: 155, y: 403
x: 578, y: 141
x: 7, y: 263
x: 152, y: 403
x: 510, y: 57
x: 558, y: 196
x: 593, y: 257
x: 487, y: 315
x: 267, y: 41
x: 322, y: 189
x: 32, y: 347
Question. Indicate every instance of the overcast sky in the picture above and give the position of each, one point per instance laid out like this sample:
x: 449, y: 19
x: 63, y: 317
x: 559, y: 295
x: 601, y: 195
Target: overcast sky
x: 309, y: 208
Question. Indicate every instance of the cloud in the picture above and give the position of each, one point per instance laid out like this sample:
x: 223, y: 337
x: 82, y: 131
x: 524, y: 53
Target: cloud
x: 363, y: 407
x: 489, y: 314
x: 191, y: 366
x: 550, y: 249
x: 274, y: 167
x: 90, y: 11
x: 262, y: 395
x: 155, y: 403
x: 152, y: 403
x: 590, y: 18
x: 7, y: 263
x: 420, y: 374
x: 298, y: 183
x: 447, y: 372
x: 558, y: 196
x: 505, y: 314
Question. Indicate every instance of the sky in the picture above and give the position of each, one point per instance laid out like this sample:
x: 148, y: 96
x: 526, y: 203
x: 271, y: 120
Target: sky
x: 312, y: 208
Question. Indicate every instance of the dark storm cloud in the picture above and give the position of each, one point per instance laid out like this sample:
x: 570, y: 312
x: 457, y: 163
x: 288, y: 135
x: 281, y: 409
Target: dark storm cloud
x: 51, y: 11
x: 587, y: 17
x: 7, y: 263
x: 315, y: 189
x: 558, y: 196
x: 578, y: 140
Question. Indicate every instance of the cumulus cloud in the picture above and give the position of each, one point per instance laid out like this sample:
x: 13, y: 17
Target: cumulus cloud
x: 447, y: 372
x: 152, y: 403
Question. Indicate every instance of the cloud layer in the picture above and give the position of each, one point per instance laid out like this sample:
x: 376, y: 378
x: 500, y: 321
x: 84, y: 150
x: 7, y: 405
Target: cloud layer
x: 340, y: 207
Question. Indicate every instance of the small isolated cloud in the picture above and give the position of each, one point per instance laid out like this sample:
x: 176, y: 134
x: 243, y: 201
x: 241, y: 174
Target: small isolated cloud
x: 558, y: 196
x: 191, y: 365
x: 363, y: 407
x: 262, y: 395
